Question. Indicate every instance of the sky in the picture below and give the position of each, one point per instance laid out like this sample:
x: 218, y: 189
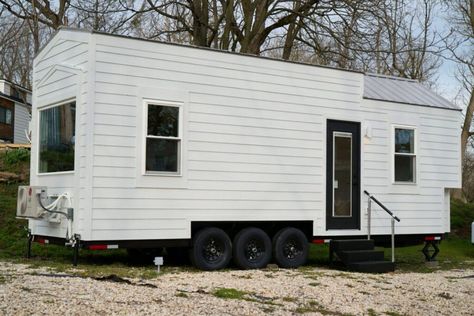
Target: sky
x: 447, y: 85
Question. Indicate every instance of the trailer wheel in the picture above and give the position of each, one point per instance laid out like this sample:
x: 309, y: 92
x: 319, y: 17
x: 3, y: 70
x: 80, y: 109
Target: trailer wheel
x: 212, y: 249
x: 290, y: 248
x: 252, y: 248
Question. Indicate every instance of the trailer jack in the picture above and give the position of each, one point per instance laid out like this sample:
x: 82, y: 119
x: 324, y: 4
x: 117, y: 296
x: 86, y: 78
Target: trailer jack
x: 75, y: 243
x: 430, y: 255
x: 28, y: 245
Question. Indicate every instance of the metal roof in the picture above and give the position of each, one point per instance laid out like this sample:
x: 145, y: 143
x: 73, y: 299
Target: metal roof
x: 401, y: 90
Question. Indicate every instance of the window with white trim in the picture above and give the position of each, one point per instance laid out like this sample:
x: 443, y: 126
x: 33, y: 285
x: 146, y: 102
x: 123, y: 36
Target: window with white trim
x: 405, y: 155
x: 163, y: 138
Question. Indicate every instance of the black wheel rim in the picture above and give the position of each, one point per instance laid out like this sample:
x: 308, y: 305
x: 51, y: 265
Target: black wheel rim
x: 213, y: 250
x: 292, y: 249
x: 254, y: 250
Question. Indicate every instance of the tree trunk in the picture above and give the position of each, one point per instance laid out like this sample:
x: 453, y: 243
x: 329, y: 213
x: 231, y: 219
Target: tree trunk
x: 200, y: 11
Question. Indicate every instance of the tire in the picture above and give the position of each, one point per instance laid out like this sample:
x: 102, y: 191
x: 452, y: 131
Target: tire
x: 212, y: 249
x: 290, y: 248
x: 252, y: 248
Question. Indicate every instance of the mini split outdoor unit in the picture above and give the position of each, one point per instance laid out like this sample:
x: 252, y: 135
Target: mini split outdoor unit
x: 28, y: 205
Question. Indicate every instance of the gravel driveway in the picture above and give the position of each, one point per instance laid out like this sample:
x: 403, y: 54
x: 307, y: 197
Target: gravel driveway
x: 26, y: 291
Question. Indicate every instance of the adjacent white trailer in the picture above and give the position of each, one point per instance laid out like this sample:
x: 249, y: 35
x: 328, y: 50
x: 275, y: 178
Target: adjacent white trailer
x: 151, y: 144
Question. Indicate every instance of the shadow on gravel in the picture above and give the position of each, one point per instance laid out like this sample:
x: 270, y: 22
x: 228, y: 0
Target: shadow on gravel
x: 108, y: 278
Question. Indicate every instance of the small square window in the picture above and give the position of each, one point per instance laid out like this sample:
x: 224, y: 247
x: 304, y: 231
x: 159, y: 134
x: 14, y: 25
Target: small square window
x: 162, y: 155
x: 404, y: 140
x: 163, y: 120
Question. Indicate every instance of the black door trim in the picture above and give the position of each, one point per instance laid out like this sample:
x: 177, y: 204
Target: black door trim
x: 352, y: 222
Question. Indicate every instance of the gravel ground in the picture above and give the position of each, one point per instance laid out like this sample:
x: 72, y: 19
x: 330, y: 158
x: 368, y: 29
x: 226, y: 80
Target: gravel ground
x: 27, y: 291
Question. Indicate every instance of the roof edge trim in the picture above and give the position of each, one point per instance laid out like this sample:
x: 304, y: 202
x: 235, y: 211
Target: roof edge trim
x: 415, y: 104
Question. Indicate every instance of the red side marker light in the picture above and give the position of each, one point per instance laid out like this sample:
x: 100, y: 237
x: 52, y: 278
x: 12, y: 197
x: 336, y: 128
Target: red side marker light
x: 98, y: 247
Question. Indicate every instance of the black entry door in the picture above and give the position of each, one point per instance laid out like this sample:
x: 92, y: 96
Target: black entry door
x: 343, y: 175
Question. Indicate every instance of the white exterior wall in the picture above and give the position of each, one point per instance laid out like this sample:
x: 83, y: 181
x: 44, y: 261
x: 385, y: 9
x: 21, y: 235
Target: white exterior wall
x: 423, y: 207
x: 254, y: 143
x: 60, y: 73
x: 21, y: 121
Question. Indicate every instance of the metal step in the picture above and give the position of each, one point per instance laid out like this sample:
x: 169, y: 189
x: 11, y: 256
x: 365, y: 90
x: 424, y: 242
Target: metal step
x: 352, y: 256
x: 372, y: 266
x: 352, y: 244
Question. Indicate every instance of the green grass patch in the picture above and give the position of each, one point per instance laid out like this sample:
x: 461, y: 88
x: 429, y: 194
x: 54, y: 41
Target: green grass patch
x: 455, y: 253
x: 391, y: 313
x: 371, y: 312
x: 229, y: 293
x: 181, y: 294
x: 15, y: 160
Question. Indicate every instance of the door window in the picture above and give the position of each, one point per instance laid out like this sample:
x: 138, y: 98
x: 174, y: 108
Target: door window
x: 342, y: 169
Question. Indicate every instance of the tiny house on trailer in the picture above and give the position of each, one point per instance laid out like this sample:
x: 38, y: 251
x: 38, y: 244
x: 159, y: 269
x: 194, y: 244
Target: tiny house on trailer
x: 141, y: 144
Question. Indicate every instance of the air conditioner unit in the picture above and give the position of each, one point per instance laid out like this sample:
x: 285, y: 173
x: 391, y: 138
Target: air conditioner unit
x: 28, y: 204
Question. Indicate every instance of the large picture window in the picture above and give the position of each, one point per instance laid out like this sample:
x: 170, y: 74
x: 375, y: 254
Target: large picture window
x: 405, y: 155
x: 163, y: 139
x: 57, y: 127
x: 5, y: 116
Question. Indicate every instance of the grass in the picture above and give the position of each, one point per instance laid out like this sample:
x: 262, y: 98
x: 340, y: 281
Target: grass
x: 455, y: 253
x: 371, y: 312
x: 16, y: 161
x: 229, y: 293
x: 181, y: 294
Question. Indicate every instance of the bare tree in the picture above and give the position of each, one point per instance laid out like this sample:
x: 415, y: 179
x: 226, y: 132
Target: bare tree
x: 16, y: 51
x: 243, y: 25
x: 38, y: 13
x: 461, y: 48
x: 468, y: 177
x: 109, y: 16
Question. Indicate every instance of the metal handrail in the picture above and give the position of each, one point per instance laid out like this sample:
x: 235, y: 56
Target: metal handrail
x: 369, y: 218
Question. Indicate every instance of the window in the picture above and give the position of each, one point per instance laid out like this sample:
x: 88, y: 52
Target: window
x: 163, y: 138
x: 57, y: 137
x: 405, y: 155
x: 5, y: 116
